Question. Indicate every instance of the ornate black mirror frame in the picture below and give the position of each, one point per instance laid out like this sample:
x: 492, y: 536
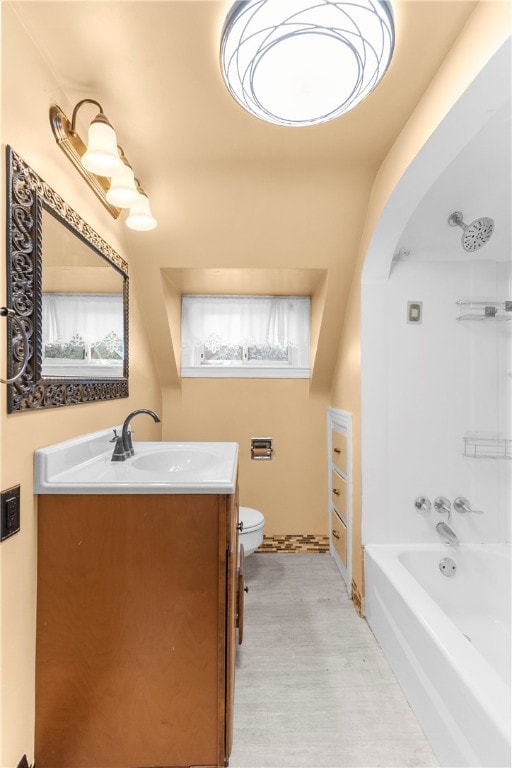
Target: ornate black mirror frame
x: 27, y: 196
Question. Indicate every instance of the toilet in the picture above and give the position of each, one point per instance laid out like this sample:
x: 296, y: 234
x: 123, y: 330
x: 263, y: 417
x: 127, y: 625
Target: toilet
x: 251, y: 533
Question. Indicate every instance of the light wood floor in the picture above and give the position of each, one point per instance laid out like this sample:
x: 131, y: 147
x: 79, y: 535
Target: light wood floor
x: 313, y: 689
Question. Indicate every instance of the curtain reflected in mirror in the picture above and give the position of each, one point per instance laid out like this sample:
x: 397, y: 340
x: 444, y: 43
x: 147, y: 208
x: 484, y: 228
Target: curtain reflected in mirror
x: 82, y: 308
x: 82, y: 334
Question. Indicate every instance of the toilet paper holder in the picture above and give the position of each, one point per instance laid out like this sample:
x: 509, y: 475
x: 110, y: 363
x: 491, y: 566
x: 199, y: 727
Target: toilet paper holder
x: 261, y: 448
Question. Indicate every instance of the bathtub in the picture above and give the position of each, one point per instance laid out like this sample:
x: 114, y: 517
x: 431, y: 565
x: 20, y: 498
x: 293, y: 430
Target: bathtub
x: 447, y: 640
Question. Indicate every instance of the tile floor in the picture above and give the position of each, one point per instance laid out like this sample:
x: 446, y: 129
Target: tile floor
x: 313, y: 689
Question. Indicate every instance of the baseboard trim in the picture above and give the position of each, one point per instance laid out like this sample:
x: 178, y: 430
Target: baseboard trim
x: 357, y: 599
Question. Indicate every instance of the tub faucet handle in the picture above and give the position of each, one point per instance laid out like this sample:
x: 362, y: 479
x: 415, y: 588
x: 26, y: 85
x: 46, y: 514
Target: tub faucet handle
x: 463, y: 505
x: 422, y: 504
x: 442, y: 504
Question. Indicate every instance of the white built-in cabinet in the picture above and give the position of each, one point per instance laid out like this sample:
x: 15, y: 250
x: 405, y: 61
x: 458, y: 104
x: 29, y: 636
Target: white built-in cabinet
x: 339, y: 452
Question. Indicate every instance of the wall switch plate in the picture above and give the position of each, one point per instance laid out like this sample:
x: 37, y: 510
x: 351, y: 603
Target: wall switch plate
x: 414, y: 311
x: 9, y: 512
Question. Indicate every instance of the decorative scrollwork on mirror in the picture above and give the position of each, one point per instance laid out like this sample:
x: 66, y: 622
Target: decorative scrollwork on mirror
x: 55, y: 259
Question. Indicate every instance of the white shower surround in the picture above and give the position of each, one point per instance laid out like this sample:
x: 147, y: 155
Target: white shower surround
x: 443, y: 378
x: 424, y: 387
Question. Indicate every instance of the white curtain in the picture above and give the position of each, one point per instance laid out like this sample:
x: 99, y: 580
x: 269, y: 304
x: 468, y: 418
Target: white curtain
x: 281, y: 321
x: 89, y: 315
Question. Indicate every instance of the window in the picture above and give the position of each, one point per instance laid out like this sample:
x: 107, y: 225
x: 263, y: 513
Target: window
x: 245, y: 336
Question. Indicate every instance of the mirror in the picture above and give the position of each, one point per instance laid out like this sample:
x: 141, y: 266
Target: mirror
x: 70, y: 289
x: 82, y: 307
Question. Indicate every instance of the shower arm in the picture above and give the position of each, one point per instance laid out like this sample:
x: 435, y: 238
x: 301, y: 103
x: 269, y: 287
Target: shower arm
x: 456, y: 220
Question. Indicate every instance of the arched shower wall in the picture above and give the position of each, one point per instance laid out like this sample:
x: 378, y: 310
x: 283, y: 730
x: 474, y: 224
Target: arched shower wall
x: 388, y: 210
x: 382, y: 522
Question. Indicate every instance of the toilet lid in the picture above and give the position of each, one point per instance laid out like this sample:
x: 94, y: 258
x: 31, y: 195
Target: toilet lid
x: 251, y: 518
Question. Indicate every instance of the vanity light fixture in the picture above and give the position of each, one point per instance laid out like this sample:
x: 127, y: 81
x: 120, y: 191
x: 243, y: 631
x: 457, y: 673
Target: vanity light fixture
x: 140, y: 216
x: 103, y: 164
x: 123, y: 191
x: 303, y: 62
x: 101, y: 156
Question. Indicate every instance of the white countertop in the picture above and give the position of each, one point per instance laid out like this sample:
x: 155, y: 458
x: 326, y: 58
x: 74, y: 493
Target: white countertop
x: 83, y: 466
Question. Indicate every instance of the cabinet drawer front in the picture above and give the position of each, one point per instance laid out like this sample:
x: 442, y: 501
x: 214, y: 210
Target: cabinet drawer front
x: 339, y: 492
x: 339, y: 450
x: 339, y: 536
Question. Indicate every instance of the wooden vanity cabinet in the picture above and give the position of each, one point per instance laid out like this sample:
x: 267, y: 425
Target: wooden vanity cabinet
x: 136, y: 630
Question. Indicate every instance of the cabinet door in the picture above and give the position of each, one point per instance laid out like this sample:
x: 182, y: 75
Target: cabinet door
x: 129, y: 639
x: 231, y: 620
x: 339, y: 492
x: 339, y: 536
x: 339, y: 450
x: 240, y: 592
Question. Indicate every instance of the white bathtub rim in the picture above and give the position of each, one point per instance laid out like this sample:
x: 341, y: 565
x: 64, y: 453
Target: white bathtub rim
x: 485, y: 684
x: 502, y: 548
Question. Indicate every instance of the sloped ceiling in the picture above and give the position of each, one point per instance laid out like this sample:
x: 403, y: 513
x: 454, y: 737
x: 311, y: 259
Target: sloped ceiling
x: 230, y: 191
x: 476, y: 183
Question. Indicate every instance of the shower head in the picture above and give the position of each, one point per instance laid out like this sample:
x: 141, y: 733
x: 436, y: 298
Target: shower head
x: 474, y: 235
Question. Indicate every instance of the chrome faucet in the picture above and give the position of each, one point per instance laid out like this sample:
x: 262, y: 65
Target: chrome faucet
x: 442, y: 504
x: 422, y: 504
x: 123, y: 448
x: 447, y: 534
x: 461, y: 504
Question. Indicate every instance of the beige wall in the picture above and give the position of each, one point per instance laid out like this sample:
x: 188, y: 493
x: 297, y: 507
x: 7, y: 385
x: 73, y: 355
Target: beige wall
x: 485, y: 31
x: 28, y: 91
x: 322, y: 207
x: 290, y: 490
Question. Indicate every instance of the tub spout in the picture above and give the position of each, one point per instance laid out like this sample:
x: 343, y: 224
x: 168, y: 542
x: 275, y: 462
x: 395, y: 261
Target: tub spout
x: 447, y: 534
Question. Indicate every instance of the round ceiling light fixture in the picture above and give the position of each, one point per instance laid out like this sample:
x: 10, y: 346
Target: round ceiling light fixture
x: 302, y: 62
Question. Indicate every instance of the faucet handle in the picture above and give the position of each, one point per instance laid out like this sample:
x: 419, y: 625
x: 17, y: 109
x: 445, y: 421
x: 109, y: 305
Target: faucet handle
x: 462, y: 505
x: 441, y: 505
x: 129, y: 443
x: 422, y: 504
x: 119, y: 453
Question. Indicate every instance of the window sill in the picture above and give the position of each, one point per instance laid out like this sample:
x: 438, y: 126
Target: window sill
x: 235, y: 372
x: 57, y: 367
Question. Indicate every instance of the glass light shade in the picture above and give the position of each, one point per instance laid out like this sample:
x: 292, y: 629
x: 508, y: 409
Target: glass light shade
x: 140, y: 216
x: 123, y: 191
x: 302, y: 62
x: 102, y: 156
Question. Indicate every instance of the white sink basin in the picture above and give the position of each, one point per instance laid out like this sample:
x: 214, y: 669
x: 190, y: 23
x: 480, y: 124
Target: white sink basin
x: 175, y: 459
x: 84, y: 465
